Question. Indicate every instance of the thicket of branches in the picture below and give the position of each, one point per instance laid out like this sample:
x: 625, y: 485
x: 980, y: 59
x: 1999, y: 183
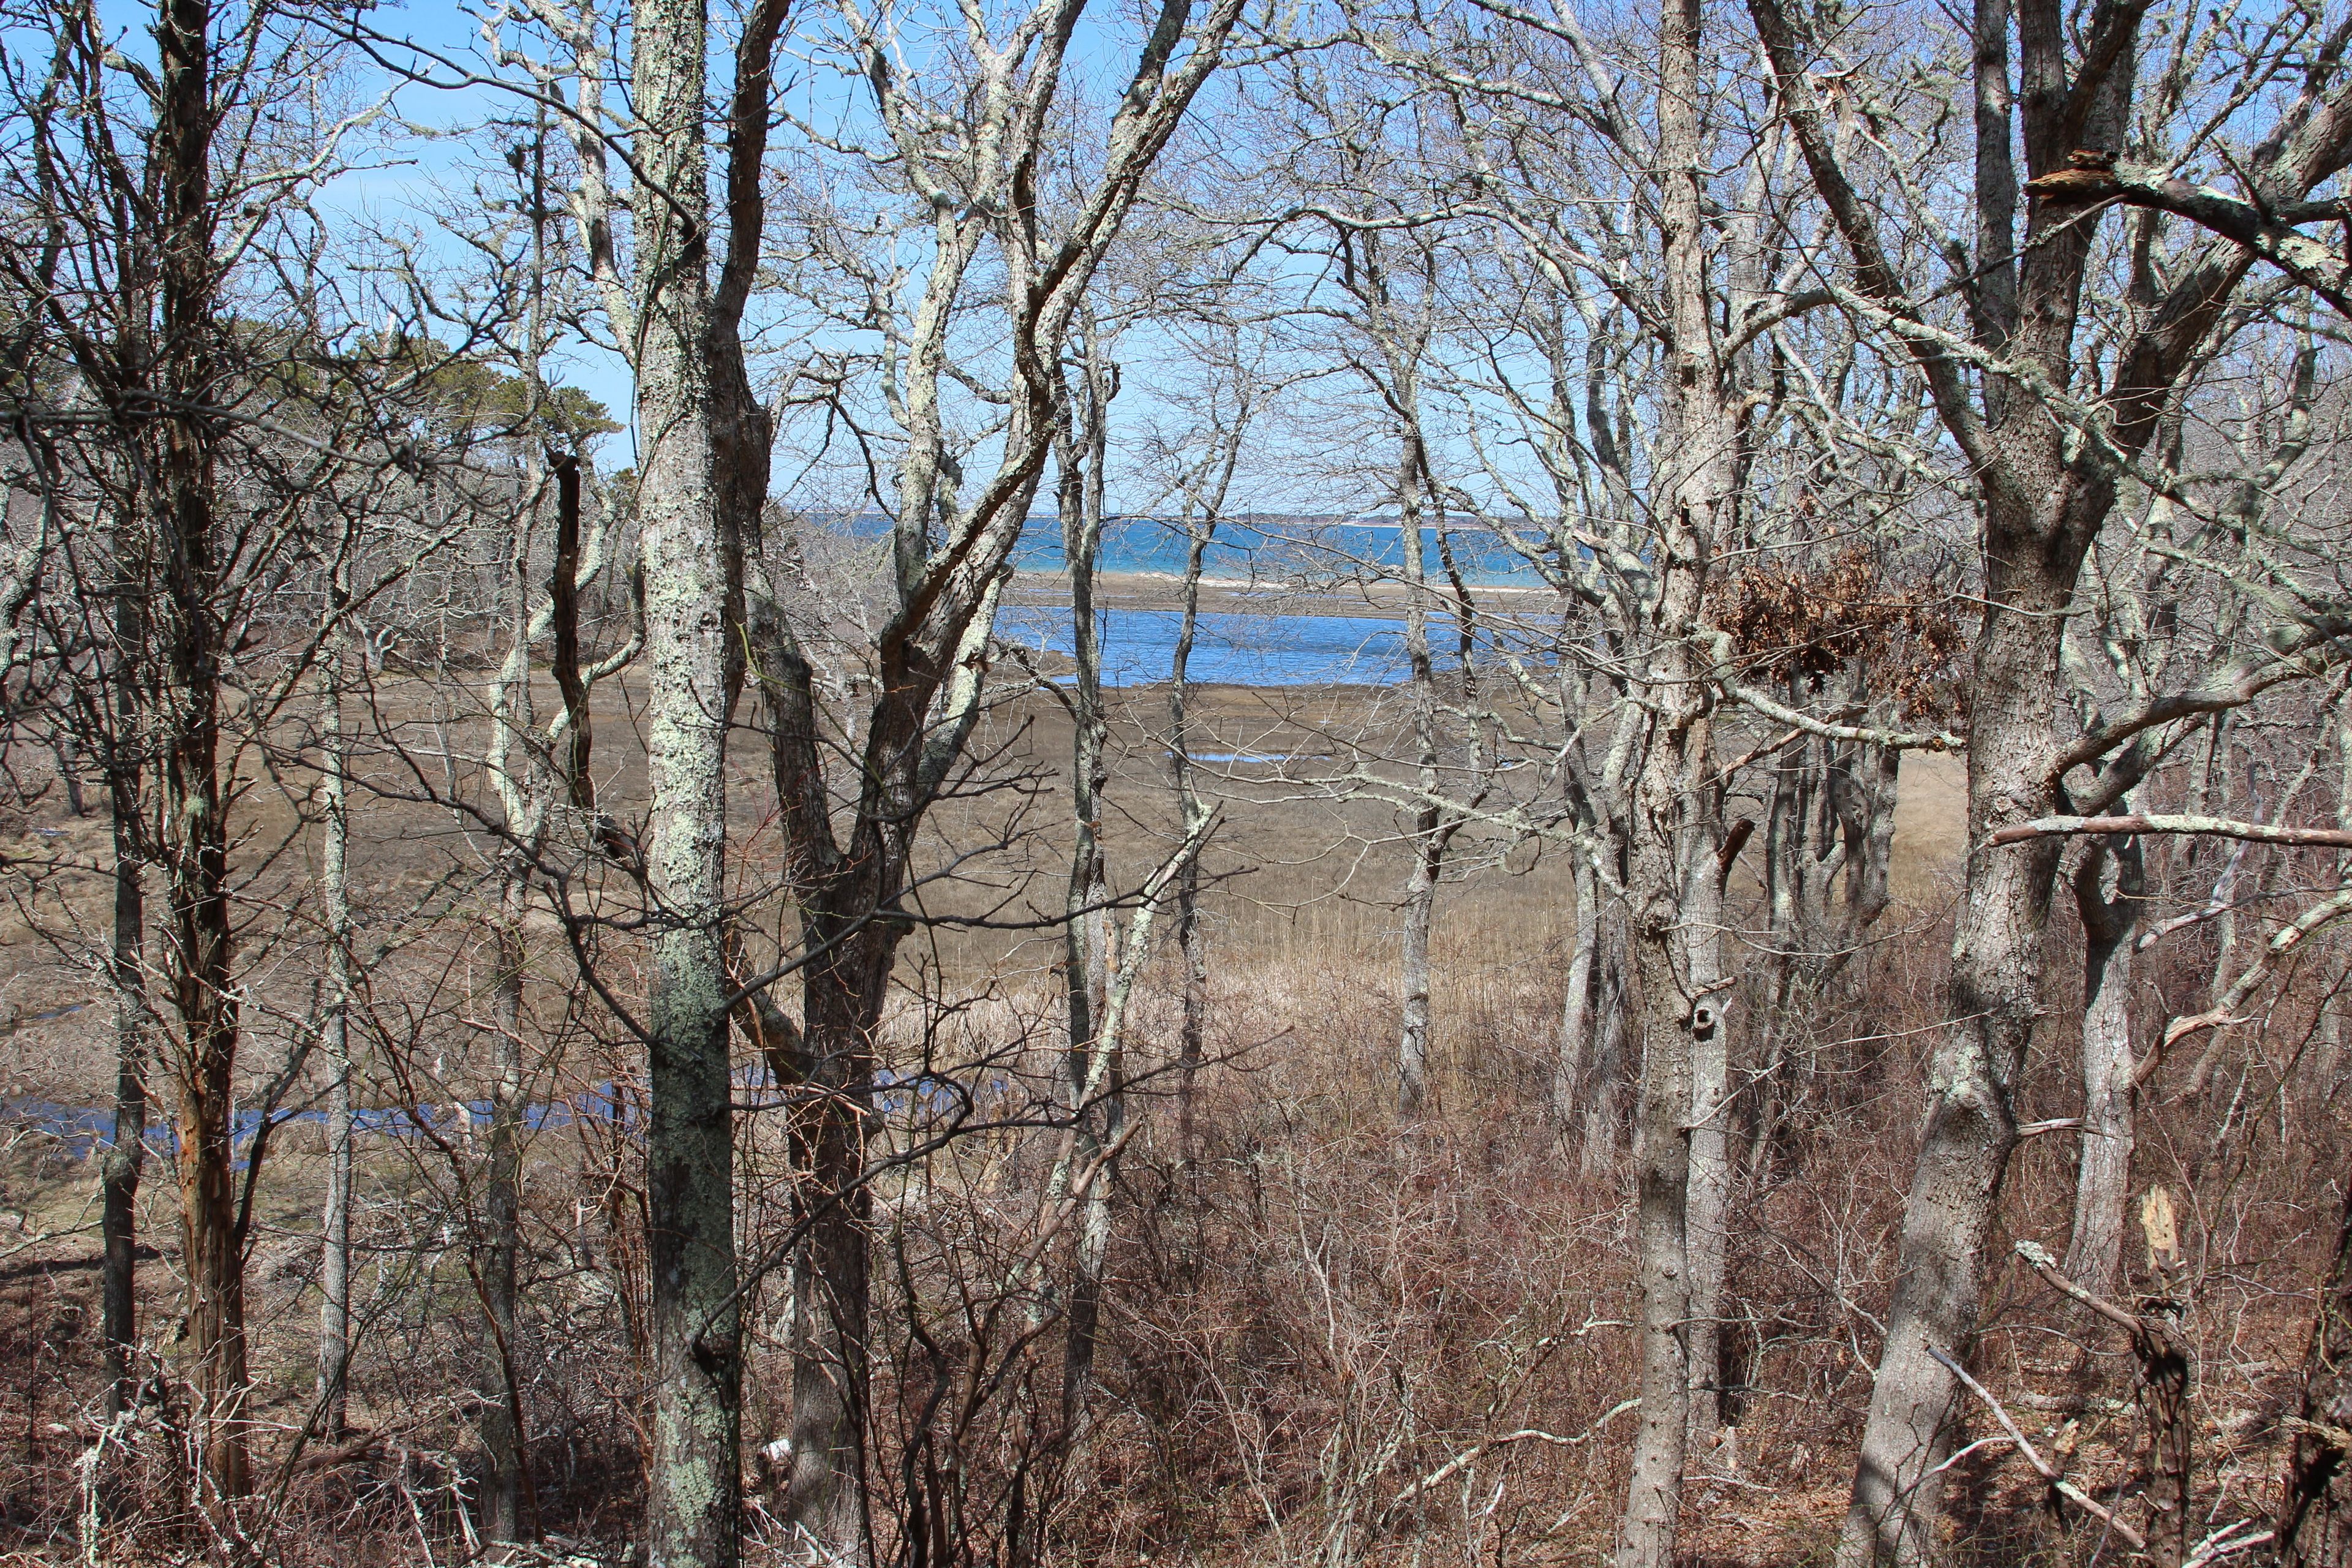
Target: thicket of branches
x: 567, y: 972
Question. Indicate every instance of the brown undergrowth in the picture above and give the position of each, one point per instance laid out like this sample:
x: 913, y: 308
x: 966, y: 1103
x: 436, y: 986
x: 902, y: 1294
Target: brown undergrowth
x: 1328, y: 1336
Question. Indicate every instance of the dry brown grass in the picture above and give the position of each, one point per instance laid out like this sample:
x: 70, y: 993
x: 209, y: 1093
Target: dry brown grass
x: 1324, y: 1312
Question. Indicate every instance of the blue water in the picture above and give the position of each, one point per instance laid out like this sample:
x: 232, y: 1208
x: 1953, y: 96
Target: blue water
x: 1139, y: 647
x: 80, y: 1130
x: 1291, y: 550
x: 1297, y: 551
x: 1293, y: 553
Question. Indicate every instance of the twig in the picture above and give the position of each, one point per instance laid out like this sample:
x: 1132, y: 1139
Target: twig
x: 1469, y: 1456
x: 2218, y: 1546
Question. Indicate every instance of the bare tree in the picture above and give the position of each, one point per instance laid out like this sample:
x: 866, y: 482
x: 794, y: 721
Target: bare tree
x: 2045, y: 495
x: 951, y: 543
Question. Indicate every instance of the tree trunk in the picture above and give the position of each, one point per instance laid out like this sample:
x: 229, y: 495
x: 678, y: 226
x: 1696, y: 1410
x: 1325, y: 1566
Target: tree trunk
x: 335, y: 1036
x: 126, y: 1155
x: 1086, y: 931
x: 1572, y: 1067
x: 1996, y: 995
x: 199, y: 941
x: 1429, y: 831
x: 1646, y: 1534
x: 519, y: 773
x: 2314, y: 1518
x: 693, y: 1484
x: 502, y: 1414
x: 1420, y: 905
x: 1674, y: 845
x: 2165, y: 1387
x: 2095, y: 1246
x: 1193, y: 810
x: 1605, y: 1096
x: 1710, y: 1143
x: 826, y: 1499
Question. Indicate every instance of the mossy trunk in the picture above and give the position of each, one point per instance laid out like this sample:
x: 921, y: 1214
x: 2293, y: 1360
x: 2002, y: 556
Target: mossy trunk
x: 693, y: 1485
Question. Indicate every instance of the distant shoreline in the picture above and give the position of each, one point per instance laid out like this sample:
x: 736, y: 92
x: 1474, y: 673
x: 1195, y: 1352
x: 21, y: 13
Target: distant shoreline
x: 1164, y: 592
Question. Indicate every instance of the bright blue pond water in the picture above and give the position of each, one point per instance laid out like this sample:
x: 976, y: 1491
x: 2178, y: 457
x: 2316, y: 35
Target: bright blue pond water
x: 1139, y: 647
x: 1287, y: 549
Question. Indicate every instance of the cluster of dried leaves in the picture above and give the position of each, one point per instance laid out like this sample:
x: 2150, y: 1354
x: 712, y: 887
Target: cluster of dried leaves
x: 1790, y: 622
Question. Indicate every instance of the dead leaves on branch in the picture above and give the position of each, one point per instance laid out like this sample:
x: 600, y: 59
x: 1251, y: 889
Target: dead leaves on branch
x: 1794, y: 623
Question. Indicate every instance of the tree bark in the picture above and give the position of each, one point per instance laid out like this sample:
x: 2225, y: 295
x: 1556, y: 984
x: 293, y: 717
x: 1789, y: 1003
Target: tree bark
x: 1086, y: 931
x: 1190, y: 939
x: 335, y: 1036
x: 1996, y: 985
x: 199, y: 942
x: 502, y: 1414
x: 1420, y: 907
x: 1605, y: 1098
x: 693, y: 1501
x: 1709, y: 1201
x: 126, y: 1155
x: 1432, y: 829
x: 1674, y: 847
x: 2095, y: 1246
x: 1572, y: 1064
x: 826, y: 1498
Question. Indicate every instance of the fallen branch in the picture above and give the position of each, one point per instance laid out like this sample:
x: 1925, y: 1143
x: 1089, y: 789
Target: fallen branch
x: 2058, y: 1482
x: 2218, y: 1546
x: 2164, y: 1359
x: 1470, y: 1455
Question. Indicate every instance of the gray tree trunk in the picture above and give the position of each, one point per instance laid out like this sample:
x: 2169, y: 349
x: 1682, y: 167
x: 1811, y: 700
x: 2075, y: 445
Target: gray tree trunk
x: 1674, y: 829
x: 1604, y: 1101
x: 335, y: 1038
x: 693, y: 1480
x: 1086, y: 931
x: 1710, y: 1143
x: 1572, y: 1066
x: 1964, y: 1153
x: 1420, y: 907
x: 1429, y: 832
x: 2108, y: 887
